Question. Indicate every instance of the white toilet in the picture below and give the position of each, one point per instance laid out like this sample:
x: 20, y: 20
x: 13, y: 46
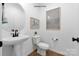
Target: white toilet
x: 40, y: 46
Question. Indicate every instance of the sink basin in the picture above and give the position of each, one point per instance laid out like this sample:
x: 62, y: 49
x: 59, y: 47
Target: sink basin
x: 14, y: 40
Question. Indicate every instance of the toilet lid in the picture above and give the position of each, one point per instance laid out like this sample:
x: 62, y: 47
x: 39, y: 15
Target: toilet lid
x: 43, y: 45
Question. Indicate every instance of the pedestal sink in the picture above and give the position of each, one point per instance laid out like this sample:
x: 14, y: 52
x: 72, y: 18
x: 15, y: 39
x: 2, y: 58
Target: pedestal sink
x: 14, y: 40
x: 14, y: 45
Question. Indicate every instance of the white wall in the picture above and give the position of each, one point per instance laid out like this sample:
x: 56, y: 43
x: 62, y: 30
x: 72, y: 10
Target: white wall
x: 69, y: 27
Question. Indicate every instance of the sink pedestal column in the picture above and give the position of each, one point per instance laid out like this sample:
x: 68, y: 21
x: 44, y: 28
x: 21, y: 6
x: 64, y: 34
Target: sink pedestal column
x: 18, y: 50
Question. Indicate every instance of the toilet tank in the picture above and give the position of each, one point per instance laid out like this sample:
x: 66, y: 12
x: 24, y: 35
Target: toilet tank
x: 36, y: 39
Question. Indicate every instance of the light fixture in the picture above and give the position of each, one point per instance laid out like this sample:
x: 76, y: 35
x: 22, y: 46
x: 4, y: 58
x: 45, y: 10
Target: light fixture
x: 3, y: 19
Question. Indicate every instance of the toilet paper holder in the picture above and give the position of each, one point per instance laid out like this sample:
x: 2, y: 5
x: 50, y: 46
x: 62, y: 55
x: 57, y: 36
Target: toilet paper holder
x: 55, y: 39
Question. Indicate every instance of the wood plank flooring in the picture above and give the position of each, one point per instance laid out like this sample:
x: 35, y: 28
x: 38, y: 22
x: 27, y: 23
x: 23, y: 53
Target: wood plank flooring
x: 48, y: 53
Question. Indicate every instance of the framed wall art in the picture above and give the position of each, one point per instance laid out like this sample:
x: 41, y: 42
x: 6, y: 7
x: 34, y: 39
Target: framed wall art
x: 34, y: 23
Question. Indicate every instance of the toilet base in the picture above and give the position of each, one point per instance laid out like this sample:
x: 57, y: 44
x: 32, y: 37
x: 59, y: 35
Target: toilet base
x: 41, y: 52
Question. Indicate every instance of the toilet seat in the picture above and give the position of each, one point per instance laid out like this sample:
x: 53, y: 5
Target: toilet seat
x: 43, y: 45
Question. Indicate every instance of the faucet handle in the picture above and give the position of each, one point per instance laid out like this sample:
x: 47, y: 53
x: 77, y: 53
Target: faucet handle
x: 12, y: 30
x: 16, y: 30
x: 12, y: 34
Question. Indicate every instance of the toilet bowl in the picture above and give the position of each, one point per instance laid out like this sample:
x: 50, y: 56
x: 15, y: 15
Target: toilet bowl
x: 43, y: 45
x: 40, y: 46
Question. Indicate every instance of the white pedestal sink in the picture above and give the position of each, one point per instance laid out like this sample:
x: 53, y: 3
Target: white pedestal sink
x: 15, y: 43
x: 14, y: 40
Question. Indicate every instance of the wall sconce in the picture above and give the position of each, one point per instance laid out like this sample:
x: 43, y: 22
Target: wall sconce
x: 3, y: 19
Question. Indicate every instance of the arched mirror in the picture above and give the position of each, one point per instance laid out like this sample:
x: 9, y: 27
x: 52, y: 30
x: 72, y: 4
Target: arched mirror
x: 13, y: 17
